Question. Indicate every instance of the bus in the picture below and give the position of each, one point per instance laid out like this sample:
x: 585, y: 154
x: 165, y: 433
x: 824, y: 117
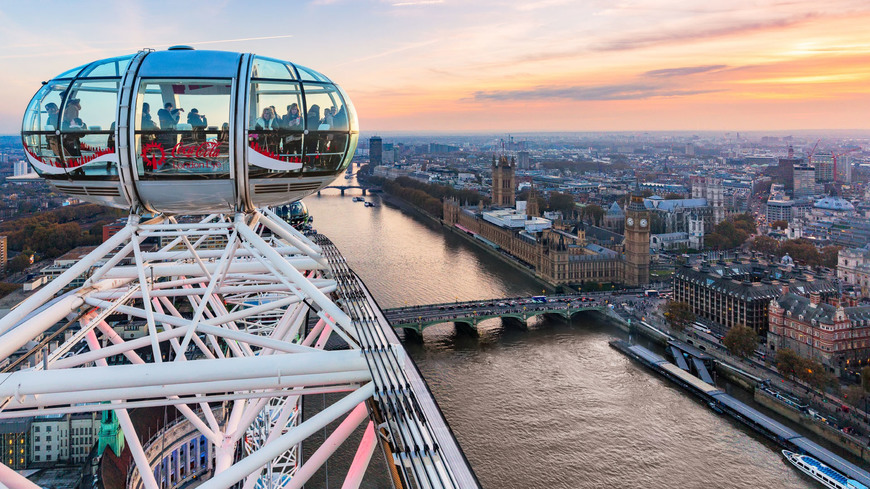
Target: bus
x: 539, y: 298
x: 651, y: 293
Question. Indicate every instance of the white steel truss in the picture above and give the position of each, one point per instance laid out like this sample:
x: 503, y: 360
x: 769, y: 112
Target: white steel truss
x: 236, y: 311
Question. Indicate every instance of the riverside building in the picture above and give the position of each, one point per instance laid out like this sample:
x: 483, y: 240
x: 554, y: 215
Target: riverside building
x: 836, y: 336
x: 740, y: 293
x: 558, y: 253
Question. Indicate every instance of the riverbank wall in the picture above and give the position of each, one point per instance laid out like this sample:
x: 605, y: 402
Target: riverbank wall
x: 837, y: 437
x: 723, y: 403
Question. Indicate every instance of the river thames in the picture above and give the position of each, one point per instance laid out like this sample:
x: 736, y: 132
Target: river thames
x: 550, y: 407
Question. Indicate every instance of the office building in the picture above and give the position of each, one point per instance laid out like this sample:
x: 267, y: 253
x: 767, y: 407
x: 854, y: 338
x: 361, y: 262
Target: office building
x: 376, y: 151
x: 804, y: 181
x: 740, y: 293
x: 523, y: 160
x: 824, y: 165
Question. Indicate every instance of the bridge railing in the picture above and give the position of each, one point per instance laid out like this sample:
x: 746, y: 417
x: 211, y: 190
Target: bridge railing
x: 525, y: 299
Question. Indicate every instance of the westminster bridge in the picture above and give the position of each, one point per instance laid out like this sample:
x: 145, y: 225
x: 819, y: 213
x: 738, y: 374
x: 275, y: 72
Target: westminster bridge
x: 512, y: 311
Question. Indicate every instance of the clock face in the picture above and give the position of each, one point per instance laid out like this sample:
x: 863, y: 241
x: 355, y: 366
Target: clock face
x: 630, y: 221
x: 643, y: 223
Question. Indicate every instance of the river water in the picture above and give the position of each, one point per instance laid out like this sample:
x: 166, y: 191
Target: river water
x: 552, y: 406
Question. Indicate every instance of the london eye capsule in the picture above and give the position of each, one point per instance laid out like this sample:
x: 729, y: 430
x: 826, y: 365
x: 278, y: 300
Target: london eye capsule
x: 188, y: 131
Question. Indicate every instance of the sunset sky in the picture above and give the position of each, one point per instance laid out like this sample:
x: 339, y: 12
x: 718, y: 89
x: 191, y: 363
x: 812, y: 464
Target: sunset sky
x: 450, y: 65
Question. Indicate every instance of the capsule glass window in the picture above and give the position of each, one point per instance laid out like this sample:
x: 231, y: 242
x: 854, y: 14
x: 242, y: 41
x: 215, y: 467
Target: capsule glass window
x: 183, y: 129
x: 327, y: 128
x: 41, y: 130
x: 276, y: 122
x: 87, y: 129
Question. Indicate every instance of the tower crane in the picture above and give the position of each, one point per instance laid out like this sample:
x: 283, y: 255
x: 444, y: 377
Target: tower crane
x: 813, y: 151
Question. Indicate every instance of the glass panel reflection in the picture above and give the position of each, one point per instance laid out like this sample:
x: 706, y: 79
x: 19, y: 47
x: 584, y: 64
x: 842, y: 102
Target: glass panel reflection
x: 174, y: 137
x: 275, y: 129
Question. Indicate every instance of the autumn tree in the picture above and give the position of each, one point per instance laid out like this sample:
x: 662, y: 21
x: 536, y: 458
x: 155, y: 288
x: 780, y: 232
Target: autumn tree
x: 814, y: 373
x: 562, y: 202
x: 854, y: 394
x: 679, y: 315
x: 829, y: 256
x: 801, y: 250
x: 779, y: 224
x: 746, y: 223
x: 741, y: 340
x: 593, y: 213
x: 19, y: 263
x: 865, y: 378
x: 726, y: 235
x: 765, y: 244
x: 788, y: 363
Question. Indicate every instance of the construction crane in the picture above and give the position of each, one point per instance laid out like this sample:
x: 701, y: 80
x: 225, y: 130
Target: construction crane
x: 813, y: 151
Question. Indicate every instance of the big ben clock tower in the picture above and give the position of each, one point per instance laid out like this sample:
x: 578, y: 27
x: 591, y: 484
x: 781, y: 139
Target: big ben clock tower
x: 636, y: 270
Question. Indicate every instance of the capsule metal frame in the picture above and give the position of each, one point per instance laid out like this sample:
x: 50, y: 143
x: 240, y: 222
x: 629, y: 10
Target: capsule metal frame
x: 186, y: 169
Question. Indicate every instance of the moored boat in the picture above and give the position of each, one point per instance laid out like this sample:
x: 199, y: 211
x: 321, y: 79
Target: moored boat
x: 821, y: 472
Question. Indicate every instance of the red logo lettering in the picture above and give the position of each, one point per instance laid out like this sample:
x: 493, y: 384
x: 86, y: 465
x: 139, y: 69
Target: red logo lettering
x: 208, y: 149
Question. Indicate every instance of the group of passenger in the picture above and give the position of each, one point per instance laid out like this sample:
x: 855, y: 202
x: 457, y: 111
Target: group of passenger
x: 333, y: 119
x: 70, y: 123
x: 169, y: 117
x: 292, y: 120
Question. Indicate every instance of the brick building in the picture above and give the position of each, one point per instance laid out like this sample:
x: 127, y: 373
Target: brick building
x: 836, y: 336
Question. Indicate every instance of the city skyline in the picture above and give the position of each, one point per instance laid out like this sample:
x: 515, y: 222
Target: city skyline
x: 516, y: 67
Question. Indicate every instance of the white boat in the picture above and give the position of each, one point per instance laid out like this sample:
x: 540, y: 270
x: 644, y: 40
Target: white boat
x: 359, y: 199
x: 821, y: 472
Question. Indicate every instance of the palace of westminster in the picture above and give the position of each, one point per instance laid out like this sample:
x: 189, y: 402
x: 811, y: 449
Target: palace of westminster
x: 558, y: 252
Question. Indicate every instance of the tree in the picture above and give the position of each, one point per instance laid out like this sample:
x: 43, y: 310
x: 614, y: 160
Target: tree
x: 854, y: 394
x: 814, y: 374
x: 19, y: 263
x: 562, y: 202
x: 865, y: 378
x: 801, y: 250
x: 780, y: 224
x: 745, y: 222
x: 7, y: 288
x: 726, y: 235
x: 829, y: 256
x: 594, y: 213
x: 741, y: 340
x: 673, y: 196
x: 788, y: 363
x: 679, y: 315
x: 765, y: 244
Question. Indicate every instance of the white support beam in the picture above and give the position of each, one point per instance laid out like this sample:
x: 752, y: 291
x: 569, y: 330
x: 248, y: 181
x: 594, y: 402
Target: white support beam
x: 319, y: 457
x: 361, y: 459
x: 293, y: 274
x: 23, y: 382
x: 13, y: 480
x: 253, y: 463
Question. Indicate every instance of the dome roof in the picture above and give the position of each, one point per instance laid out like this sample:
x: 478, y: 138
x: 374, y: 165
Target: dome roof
x: 834, y: 204
x: 189, y: 131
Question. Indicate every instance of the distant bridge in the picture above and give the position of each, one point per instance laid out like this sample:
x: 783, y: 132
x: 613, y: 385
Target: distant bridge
x: 346, y: 187
x: 517, y: 310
